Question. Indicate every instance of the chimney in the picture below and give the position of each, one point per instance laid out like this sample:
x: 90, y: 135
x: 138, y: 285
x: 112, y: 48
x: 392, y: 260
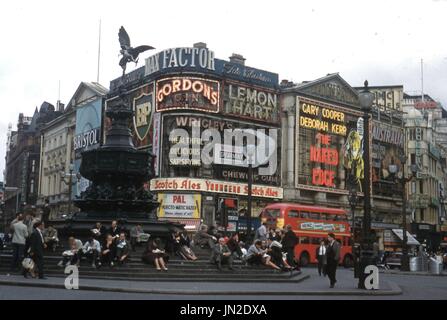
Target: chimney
x: 286, y: 83
x: 237, y: 58
x: 200, y: 45
x: 60, y: 106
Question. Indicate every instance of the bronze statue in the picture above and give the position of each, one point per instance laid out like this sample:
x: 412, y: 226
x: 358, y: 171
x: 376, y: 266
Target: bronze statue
x: 129, y: 54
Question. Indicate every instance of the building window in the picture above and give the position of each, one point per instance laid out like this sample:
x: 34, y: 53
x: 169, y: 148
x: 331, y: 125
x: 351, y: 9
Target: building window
x: 413, y: 158
x: 413, y: 187
x: 422, y: 215
x: 421, y: 186
x: 412, y: 134
x: 33, y: 166
x: 31, y: 188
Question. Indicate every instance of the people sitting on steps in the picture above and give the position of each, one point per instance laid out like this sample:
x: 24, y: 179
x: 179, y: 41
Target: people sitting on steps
x: 50, y: 237
x: 122, y: 249
x: 115, y: 229
x: 108, y: 252
x: 135, y: 234
x: 222, y: 255
x: 203, y: 239
x: 73, y: 255
x: 154, y: 255
x: 274, y: 249
x: 258, y: 256
x: 234, y: 246
x: 100, y: 232
x: 92, y: 251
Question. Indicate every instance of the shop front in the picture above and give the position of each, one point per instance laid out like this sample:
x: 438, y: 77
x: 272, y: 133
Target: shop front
x: 427, y: 235
x: 194, y: 201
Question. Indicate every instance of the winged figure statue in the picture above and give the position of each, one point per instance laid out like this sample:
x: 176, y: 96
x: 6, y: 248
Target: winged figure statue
x: 129, y: 53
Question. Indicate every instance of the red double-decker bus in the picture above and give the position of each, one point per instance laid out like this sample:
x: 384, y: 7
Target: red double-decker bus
x: 311, y: 224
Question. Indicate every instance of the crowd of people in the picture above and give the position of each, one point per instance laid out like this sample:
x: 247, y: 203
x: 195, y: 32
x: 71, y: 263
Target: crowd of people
x: 272, y: 248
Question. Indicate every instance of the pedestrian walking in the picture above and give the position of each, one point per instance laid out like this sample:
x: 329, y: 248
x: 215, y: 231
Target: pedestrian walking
x: 333, y: 257
x: 37, y: 245
x: 321, y: 258
x: 20, y: 233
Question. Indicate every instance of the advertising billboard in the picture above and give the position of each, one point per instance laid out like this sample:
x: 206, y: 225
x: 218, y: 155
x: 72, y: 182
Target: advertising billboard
x: 143, y: 106
x: 188, y: 93
x: 250, y: 102
x: 175, y: 205
x: 328, y: 146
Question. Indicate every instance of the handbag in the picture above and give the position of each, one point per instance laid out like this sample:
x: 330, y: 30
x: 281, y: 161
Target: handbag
x: 28, y: 263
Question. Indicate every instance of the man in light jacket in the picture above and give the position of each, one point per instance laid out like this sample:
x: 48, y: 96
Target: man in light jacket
x: 18, y: 240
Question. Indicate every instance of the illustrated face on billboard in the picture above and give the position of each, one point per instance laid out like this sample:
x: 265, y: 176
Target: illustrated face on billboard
x: 353, y: 158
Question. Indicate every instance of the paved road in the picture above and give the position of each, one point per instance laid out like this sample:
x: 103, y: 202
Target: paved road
x: 414, y: 287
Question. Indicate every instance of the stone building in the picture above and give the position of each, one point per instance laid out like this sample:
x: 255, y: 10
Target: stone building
x: 75, y: 130
x: 23, y: 158
x: 426, y: 136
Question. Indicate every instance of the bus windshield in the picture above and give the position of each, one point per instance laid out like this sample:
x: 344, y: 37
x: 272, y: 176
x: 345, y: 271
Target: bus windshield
x: 272, y: 213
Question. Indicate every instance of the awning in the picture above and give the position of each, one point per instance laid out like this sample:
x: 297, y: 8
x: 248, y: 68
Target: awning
x: 410, y: 239
x: 190, y: 224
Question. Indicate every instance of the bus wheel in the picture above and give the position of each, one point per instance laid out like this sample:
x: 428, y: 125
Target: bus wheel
x: 348, y: 261
x: 304, y: 259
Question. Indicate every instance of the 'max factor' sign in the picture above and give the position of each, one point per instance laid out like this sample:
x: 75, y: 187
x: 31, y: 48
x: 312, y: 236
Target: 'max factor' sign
x: 203, y: 60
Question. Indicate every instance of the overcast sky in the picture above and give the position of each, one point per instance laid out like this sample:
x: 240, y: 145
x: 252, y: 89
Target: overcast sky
x: 44, y: 42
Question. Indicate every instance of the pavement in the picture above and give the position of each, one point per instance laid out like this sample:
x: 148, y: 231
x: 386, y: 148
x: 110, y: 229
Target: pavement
x: 414, y: 273
x: 311, y: 285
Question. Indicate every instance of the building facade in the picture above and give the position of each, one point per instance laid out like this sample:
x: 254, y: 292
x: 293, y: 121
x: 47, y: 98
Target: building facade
x: 425, y: 130
x: 190, y: 110
x: 55, y: 160
x: 23, y: 158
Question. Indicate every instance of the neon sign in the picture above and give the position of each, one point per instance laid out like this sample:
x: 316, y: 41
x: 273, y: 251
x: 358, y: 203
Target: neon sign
x: 323, y: 155
x: 187, y: 93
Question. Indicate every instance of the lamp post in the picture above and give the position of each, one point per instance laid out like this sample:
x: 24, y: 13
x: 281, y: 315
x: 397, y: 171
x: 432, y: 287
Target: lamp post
x: 70, y: 175
x: 405, y: 263
x: 366, y: 99
x: 353, y: 200
x: 250, y: 154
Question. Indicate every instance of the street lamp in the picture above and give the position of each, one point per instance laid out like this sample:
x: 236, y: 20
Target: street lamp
x: 405, y: 263
x: 250, y: 155
x: 70, y: 175
x: 366, y: 99
x: 353, y: 201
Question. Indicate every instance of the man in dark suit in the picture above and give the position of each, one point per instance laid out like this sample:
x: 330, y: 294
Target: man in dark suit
x: 115, y: 230
x: 333, y: 257
x: 37, y: 244
x: 222, y: 254
x: 289, y: 242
